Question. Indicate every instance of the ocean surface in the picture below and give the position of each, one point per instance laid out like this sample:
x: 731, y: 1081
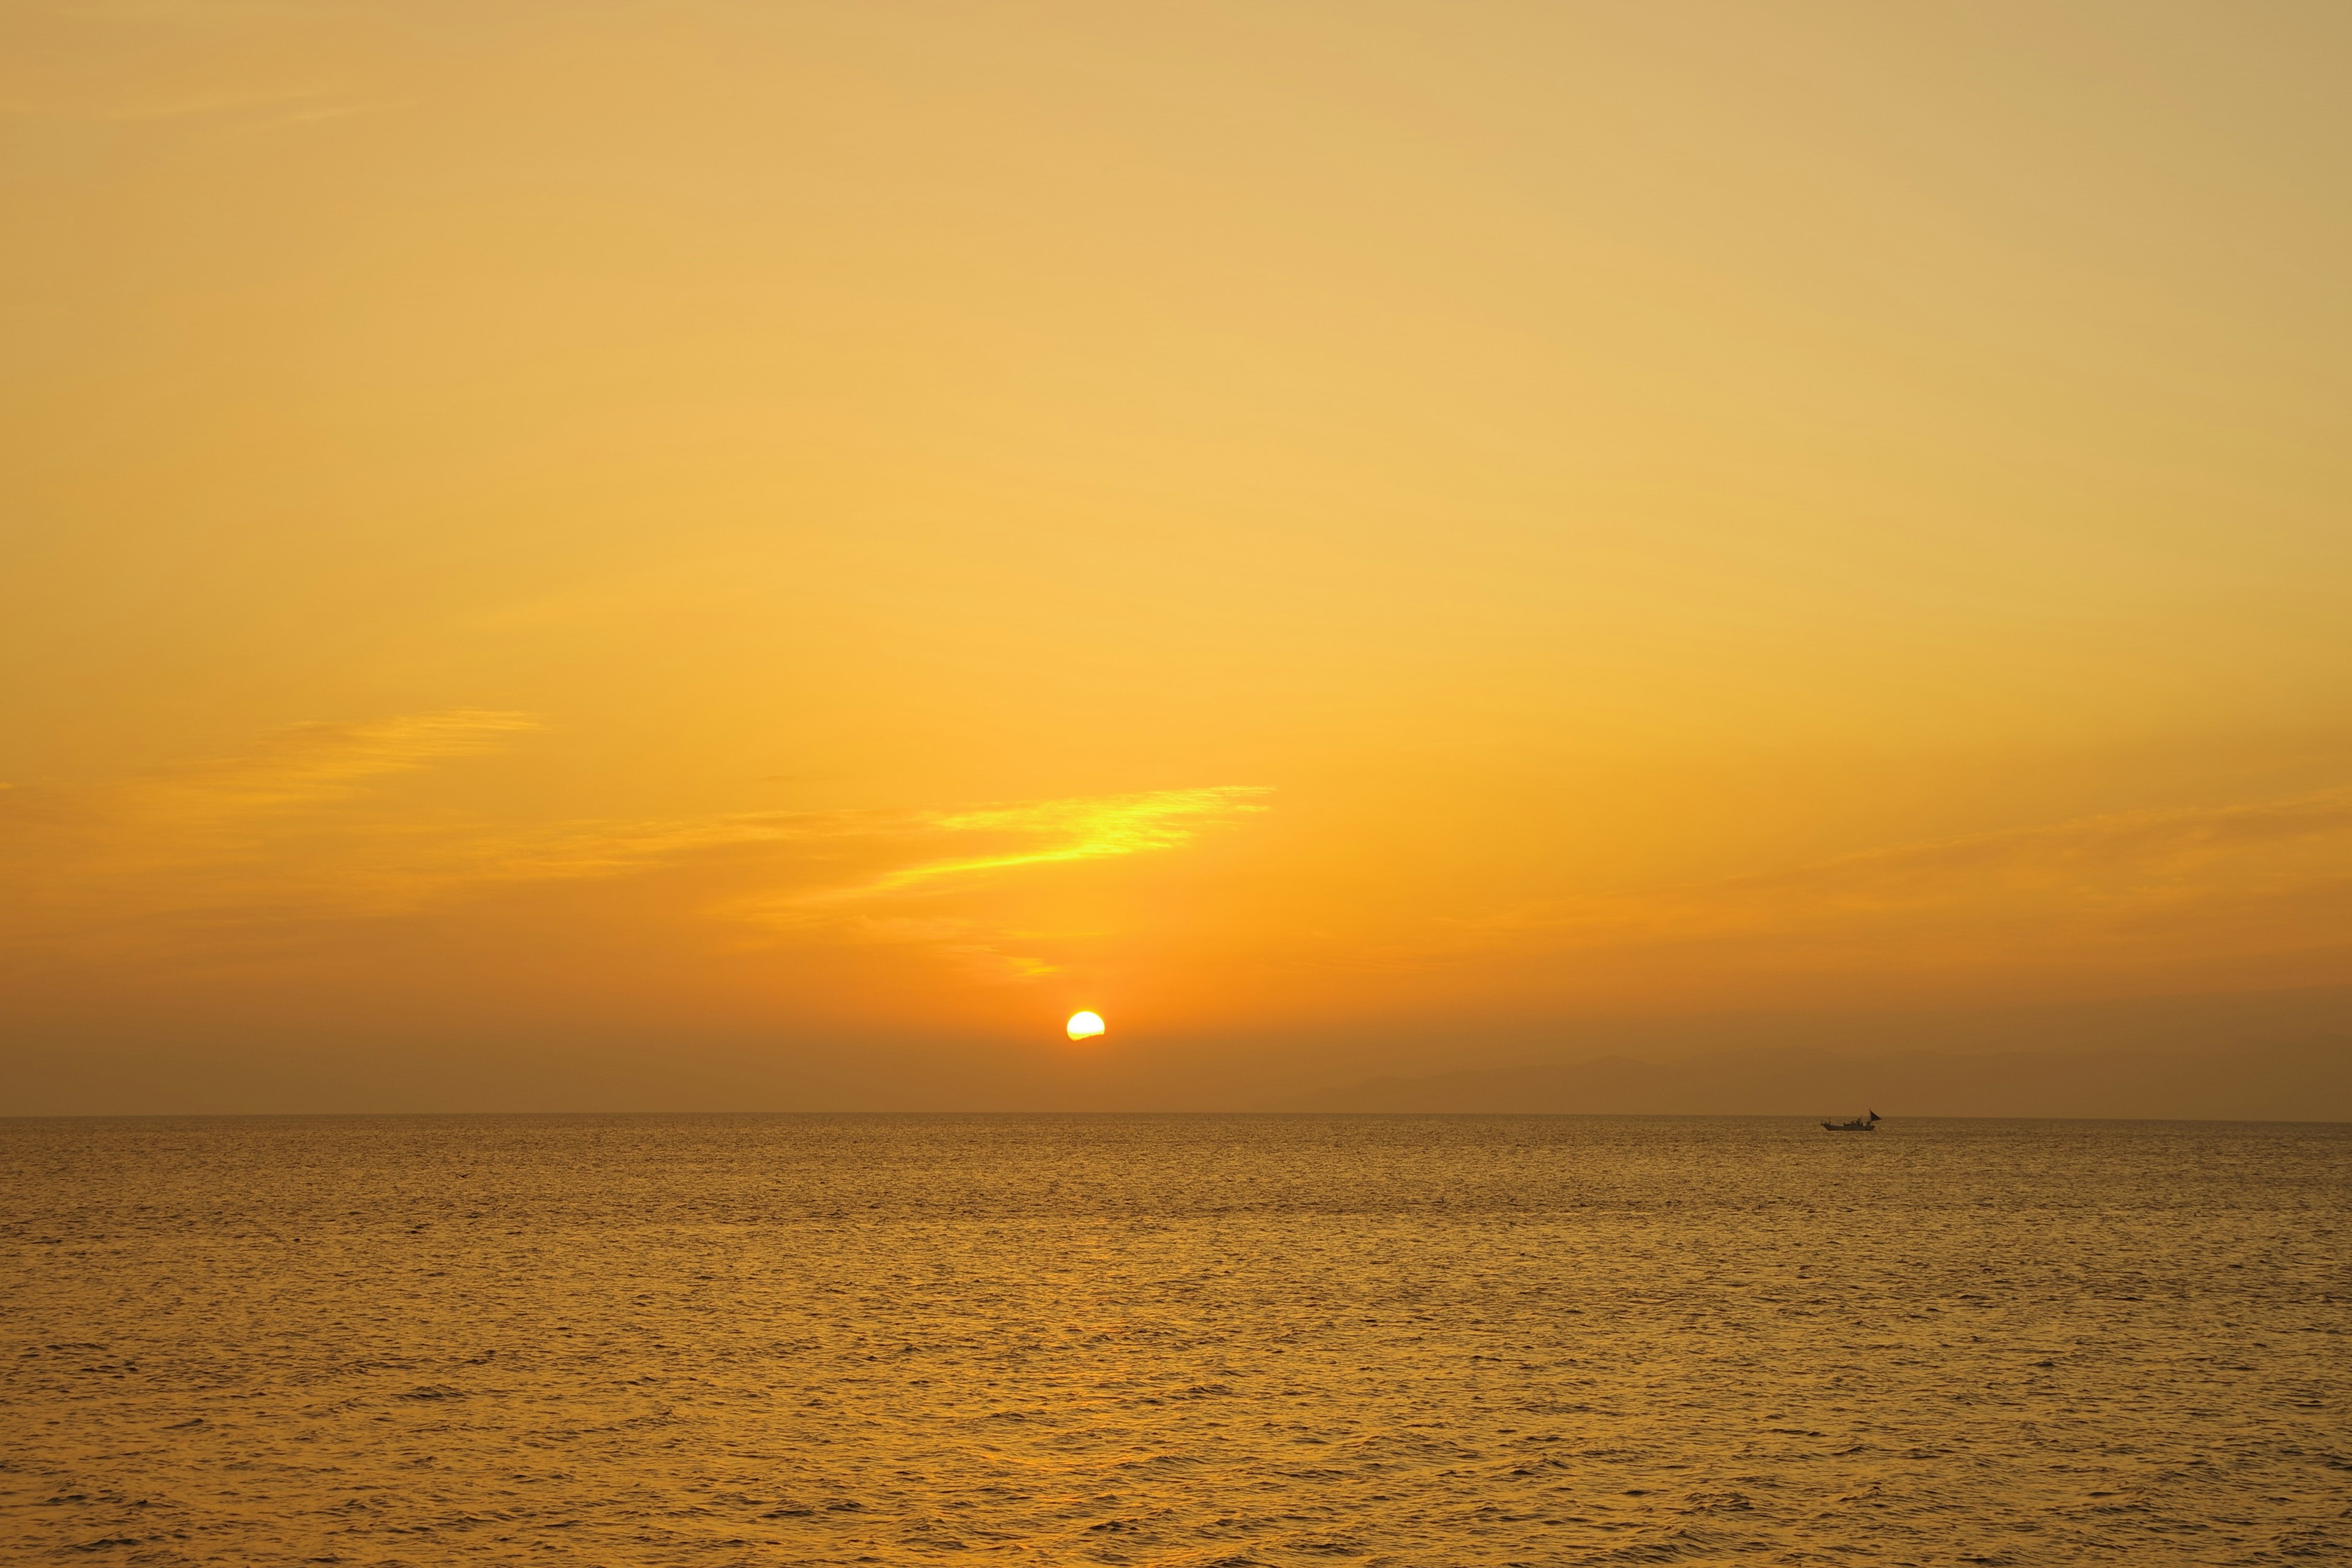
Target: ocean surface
x: 1179, y: 1339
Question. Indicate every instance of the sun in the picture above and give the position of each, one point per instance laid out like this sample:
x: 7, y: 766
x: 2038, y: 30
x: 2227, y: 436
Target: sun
x: 1085, y: 1026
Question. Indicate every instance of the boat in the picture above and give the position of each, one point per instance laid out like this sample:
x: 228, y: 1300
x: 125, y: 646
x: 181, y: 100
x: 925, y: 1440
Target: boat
x: 1859, y: 1124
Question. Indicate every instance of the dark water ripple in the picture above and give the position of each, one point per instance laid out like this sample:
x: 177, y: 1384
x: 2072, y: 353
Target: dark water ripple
x: 1196, y: 1341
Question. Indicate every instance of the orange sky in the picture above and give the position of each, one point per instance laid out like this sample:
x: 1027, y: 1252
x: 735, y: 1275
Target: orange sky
x: 584, y: 548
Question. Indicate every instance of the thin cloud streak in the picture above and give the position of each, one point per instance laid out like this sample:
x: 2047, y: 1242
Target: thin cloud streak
x: 291, y: 832
x: 2133, y: 889
x: 1118, y: 824
x: 1081, y: 829
x: 311, y: 832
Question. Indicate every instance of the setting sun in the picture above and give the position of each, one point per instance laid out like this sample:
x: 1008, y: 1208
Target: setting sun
x: 1085, y: 1026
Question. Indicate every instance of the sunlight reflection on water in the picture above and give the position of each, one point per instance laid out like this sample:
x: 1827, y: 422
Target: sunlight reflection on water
x: 1186, y: 1340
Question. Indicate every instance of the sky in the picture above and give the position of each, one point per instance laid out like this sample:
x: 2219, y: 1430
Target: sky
x: 751, y: 553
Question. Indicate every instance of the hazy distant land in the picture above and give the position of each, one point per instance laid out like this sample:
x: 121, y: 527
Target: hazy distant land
x: 2303, y: 1082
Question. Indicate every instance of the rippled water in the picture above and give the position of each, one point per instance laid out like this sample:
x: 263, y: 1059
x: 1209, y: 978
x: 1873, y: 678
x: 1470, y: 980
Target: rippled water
x: 1173, y: 1340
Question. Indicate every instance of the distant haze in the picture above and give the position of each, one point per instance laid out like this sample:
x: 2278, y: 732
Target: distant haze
x: 739, y: 556
x: 2281, y: 1057
x: 2296, y: 1083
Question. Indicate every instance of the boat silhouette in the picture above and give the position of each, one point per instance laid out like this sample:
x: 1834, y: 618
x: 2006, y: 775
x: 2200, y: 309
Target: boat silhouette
x: 1859, y: 1124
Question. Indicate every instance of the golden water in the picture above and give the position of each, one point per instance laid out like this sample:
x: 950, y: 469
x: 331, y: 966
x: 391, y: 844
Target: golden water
x: 1173, y: 1340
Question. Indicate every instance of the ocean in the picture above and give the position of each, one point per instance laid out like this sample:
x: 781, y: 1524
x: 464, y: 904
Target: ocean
x: 1173, y: 1340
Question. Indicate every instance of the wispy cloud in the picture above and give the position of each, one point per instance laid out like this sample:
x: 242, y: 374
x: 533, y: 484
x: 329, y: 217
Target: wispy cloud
x: 2139, y: 888
x: 318, y: 830
x: 873, y: 877
x: 271, y: 827
x: 177, y: 812
x: 1059, y: 831
x: 2139, y: 850
x: 313, y: 763
x: 1040, y: 833
x: 300, y: 829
